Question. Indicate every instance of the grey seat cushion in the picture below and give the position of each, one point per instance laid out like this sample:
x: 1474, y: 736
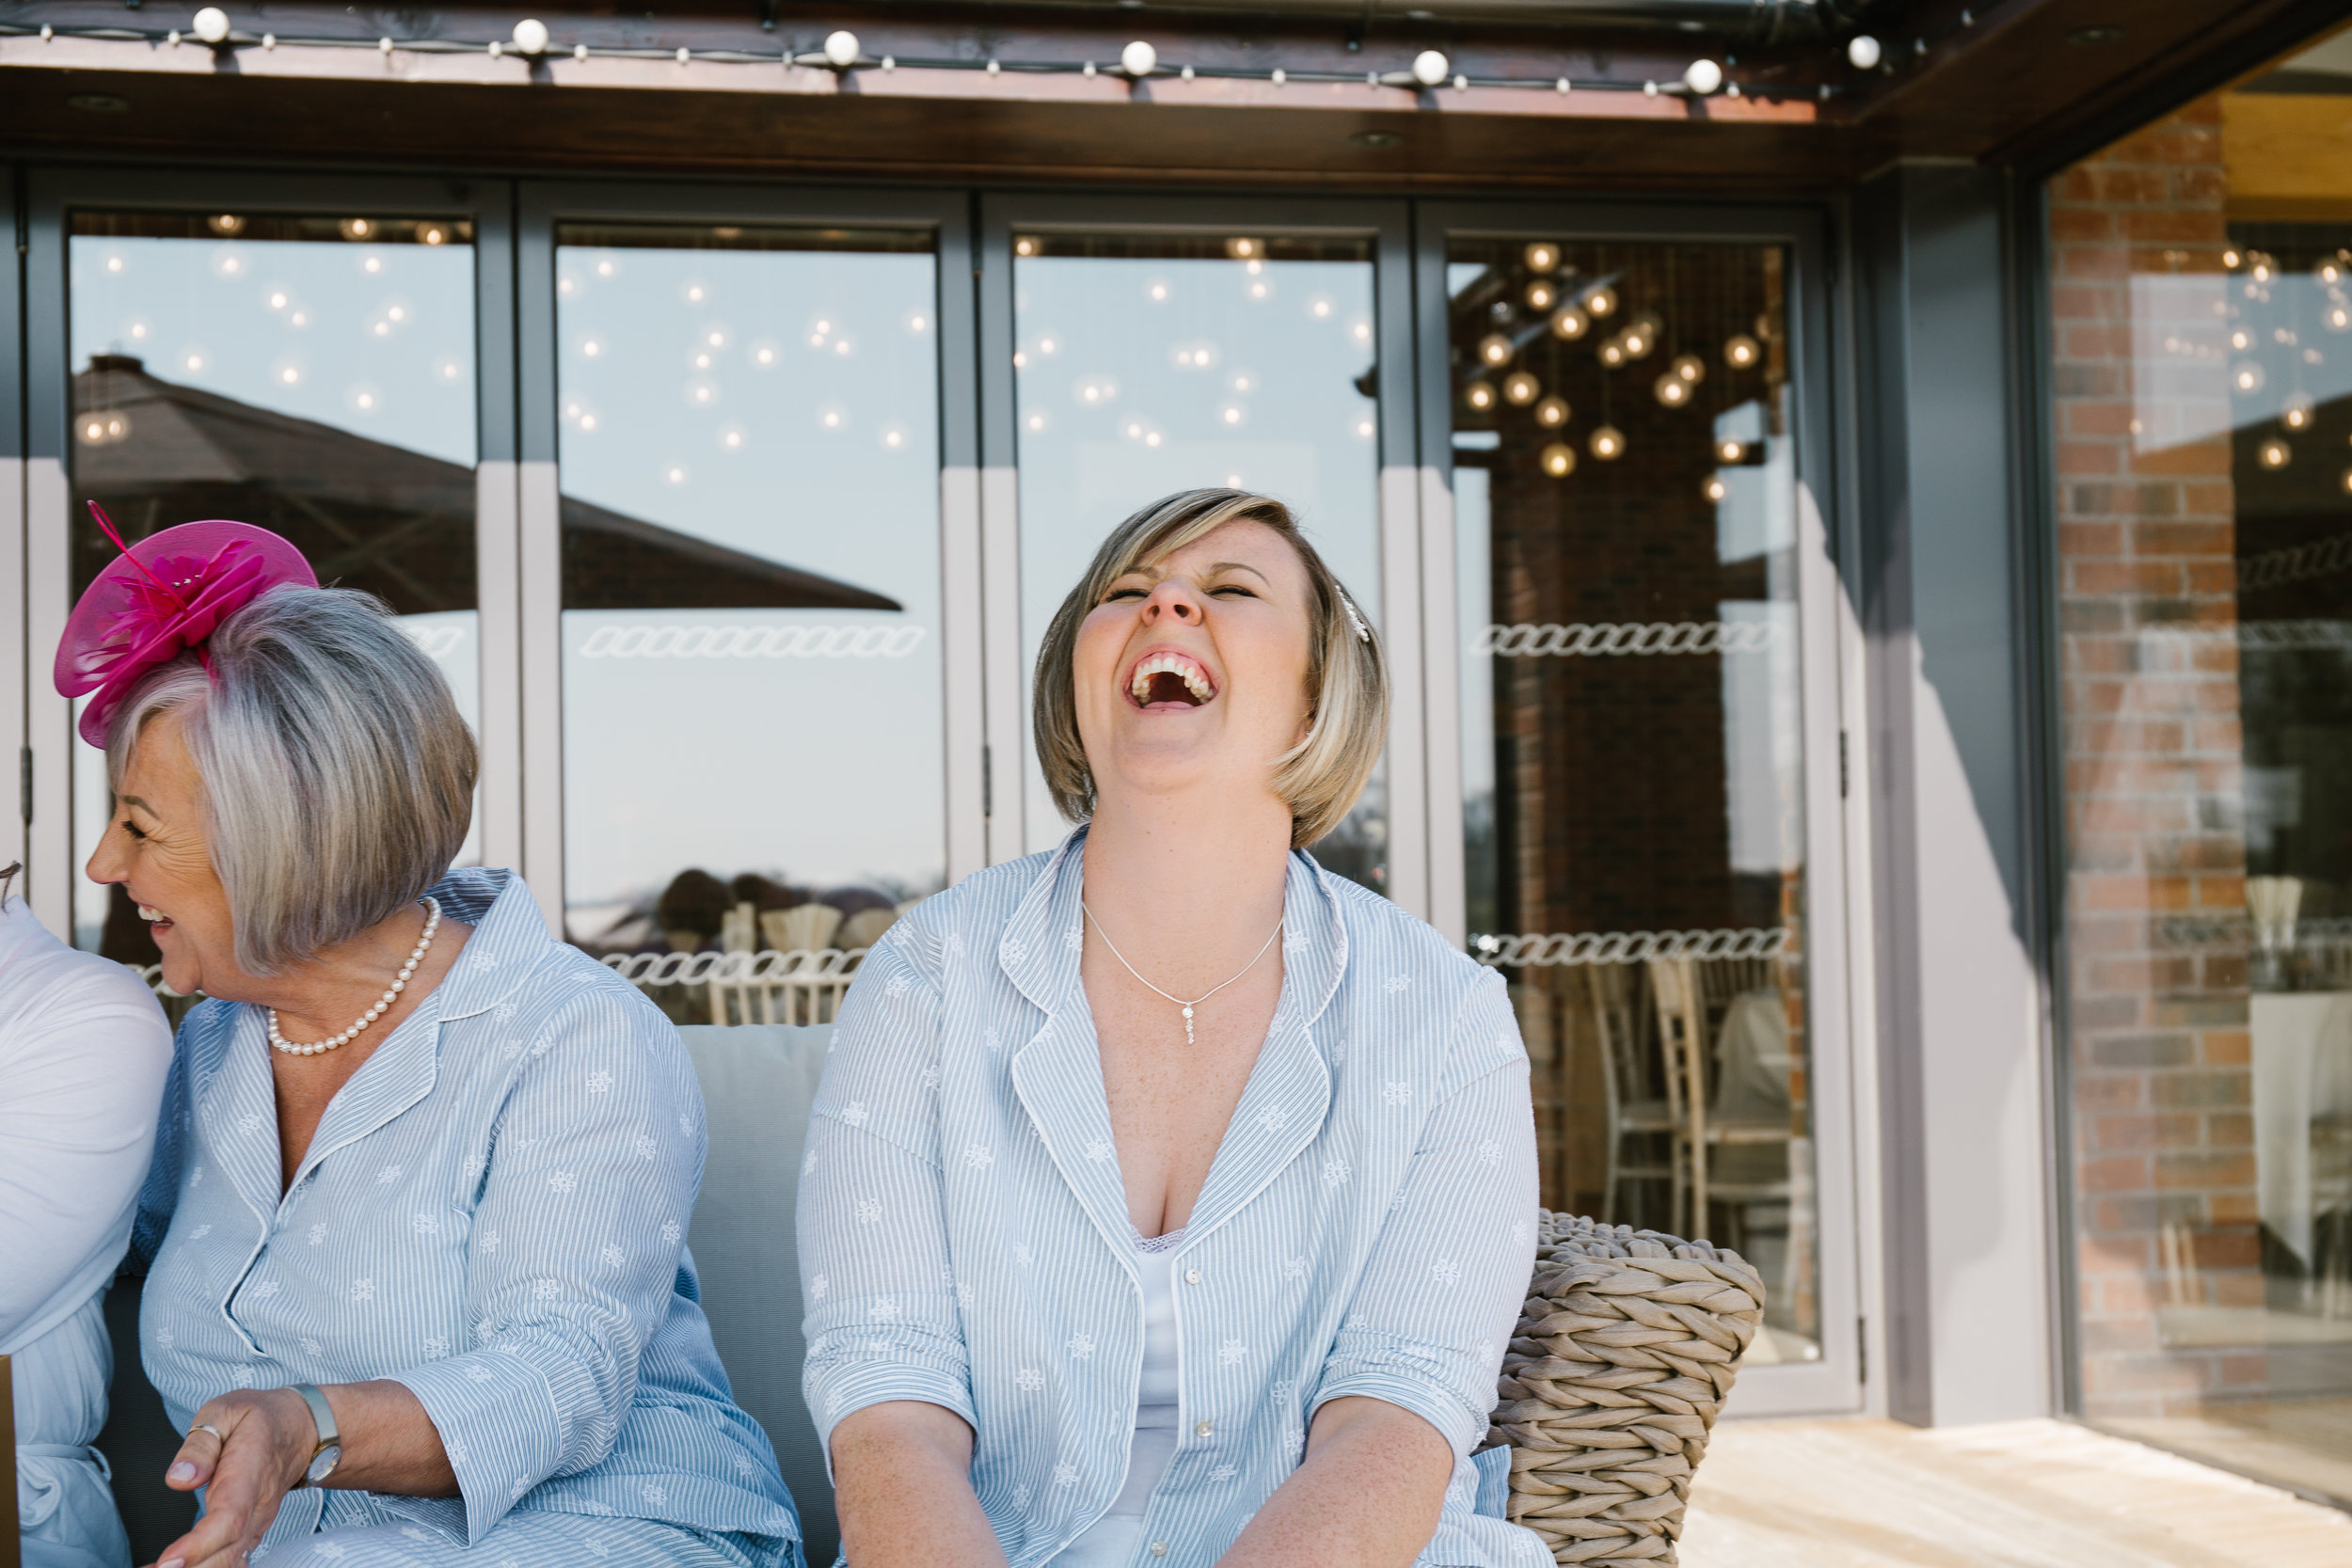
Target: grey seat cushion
x: 758, y: 1082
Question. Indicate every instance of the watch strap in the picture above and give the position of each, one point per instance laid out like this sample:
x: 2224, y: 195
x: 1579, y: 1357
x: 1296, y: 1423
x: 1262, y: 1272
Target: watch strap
x: 321, y: 1416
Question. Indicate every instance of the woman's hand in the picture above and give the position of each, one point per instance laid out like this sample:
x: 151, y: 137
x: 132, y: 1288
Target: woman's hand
x: 265, y: 1443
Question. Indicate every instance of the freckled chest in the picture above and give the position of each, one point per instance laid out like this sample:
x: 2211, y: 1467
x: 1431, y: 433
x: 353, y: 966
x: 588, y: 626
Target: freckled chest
x: 1170, y: 1103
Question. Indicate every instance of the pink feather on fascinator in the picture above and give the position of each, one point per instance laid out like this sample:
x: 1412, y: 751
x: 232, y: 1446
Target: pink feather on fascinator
x: 160, y: 598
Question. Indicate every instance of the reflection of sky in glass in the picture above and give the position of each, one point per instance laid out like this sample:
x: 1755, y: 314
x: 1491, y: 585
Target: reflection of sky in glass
x: 784, y: 403
x: 375, y: 340
x: 1140, y: 377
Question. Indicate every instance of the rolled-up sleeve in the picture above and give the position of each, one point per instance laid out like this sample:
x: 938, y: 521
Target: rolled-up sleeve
x: 574, y: 1251
x: 883, y: 1320
x: 1435, y: 1305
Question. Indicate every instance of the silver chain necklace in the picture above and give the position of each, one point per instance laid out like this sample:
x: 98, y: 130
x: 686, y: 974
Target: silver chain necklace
x: 1178, y: 1000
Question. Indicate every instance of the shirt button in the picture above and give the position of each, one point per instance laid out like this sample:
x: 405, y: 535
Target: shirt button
x: 1203, y: 1430
x: 1159, y: 1549
x: 1192, y: 1276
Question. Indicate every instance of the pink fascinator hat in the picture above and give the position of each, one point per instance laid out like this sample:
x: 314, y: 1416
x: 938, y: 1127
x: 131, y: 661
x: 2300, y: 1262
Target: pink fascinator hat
x: 162, y: 598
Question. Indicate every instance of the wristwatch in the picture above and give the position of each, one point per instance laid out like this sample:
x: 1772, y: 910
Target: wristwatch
x: 329, y: 1452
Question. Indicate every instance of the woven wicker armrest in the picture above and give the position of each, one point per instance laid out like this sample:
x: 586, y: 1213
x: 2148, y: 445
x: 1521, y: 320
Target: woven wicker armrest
x: 1623, y: 1354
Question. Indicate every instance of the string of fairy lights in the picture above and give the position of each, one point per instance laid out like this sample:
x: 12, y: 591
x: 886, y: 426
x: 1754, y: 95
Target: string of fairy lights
x: 1576, y: 310
x: 843, y: 52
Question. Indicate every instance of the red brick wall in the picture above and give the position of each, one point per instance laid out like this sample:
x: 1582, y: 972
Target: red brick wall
x: 2156, y: 861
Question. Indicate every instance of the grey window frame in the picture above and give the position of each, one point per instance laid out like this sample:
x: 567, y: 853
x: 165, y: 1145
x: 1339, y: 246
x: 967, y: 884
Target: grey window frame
x: 1838, y: 960
x: 943, y: 213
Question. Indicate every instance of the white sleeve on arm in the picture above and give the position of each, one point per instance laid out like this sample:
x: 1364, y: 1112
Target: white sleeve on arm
x: 83, y: 1052
x: 573, y: 1255
x: 1438, y: 1301
x: 882, y: 1320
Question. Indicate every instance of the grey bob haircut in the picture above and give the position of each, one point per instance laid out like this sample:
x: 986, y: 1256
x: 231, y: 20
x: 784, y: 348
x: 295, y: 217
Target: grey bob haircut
x: 1347, y: 679
x: 337, y: 775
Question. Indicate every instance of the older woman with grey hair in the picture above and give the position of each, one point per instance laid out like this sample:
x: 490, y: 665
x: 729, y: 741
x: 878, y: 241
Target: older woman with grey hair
x: 418, y: 1290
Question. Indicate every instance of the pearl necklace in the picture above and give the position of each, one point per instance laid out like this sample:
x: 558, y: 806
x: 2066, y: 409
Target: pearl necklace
x: 416, y: 956
x: 1178, y: 1000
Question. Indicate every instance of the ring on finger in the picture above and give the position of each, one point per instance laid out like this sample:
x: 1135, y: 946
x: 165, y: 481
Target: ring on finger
x: 218, y: 1437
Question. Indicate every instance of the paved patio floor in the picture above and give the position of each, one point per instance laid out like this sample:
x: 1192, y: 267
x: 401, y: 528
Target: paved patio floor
x: 2018, y: 1494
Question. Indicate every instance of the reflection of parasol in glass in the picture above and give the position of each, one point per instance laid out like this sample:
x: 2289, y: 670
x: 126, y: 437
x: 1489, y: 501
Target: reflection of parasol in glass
x: 376, y: 516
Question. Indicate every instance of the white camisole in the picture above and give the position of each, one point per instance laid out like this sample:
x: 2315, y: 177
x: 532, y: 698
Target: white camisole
x: 1110, y: 1542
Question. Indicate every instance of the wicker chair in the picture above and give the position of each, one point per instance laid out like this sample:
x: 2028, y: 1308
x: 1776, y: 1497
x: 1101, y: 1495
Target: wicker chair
x: 1624, y: 1354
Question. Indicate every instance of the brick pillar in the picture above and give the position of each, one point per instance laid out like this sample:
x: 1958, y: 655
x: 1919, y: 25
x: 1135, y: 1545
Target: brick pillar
x: 2165, y: 1179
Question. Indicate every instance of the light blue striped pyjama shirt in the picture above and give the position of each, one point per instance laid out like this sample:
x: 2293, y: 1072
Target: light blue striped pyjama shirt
x: 493, y: 1211
x: 1366, y: 1228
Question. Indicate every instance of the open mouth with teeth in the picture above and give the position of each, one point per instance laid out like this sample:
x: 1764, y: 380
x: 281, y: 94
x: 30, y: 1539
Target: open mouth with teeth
x: 1165, y: 681
x: 155, y: 917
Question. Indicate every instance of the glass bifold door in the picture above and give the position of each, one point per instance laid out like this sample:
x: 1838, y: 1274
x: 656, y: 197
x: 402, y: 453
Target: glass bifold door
x: 736, y: 517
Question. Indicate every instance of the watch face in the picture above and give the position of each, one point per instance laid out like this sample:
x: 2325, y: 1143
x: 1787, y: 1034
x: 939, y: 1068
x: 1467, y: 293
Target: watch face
x: 323, y: 1464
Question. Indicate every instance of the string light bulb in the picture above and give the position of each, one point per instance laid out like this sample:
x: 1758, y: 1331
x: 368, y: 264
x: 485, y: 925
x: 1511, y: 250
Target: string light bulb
x: 1559, y: 460
x: 2346, y: 480
x: 1863, y: 51
x: 1638, y: 339
x: 210, y: 26
x: 1541, y: 257
x: 2296, y: 413
x: 1731, y: 450
x: 841, y: 49
x: 2231, y: 257
x: 1569, y: 322
x: 1600, y: 302
x: 1690, y: 366
x: 1741, y: 351
x: 530, y: 37
x: 1715, y: 489
x: 1552, y: 413
x: 1494, y: 349
x: 1521, y: 389
x: 1479, y: 395
x: 1608, y: 443
x: 2274, y: 453
x: 1431, y: 68
x: 2248, y: 377
x: 1612, y: 353
x: 1702, y: 76
x: 1139, y: 59
x: 1671, y: 390
x: 1541, y: 295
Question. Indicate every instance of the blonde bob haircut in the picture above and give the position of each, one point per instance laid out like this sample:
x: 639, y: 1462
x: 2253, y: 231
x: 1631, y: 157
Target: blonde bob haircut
x: 1347, y: 677
x: 337, y: 776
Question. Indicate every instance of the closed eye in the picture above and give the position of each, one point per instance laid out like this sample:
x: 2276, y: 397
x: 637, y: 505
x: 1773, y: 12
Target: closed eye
x: 1118, y: 594
x: 132, y: 828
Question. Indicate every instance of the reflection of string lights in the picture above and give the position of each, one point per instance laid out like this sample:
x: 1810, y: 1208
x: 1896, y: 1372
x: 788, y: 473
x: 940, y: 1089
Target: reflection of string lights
x: 1673, y: 391
x: 1479, y: 395
x: 1731, y: 450
x: 1495, y: 349
x: 1520, y: 387
x: 1715, y: 488
x: 1608, y: 443
x: 1741, y: 351
x: 2274, y: 453
x: 1558, y: 460
x: 1552, y: 413
x: 1569, y: 322
x: 1541, y: 295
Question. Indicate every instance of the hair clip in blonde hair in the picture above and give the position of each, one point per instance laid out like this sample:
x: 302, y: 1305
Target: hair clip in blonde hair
x: 1363, y: 632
